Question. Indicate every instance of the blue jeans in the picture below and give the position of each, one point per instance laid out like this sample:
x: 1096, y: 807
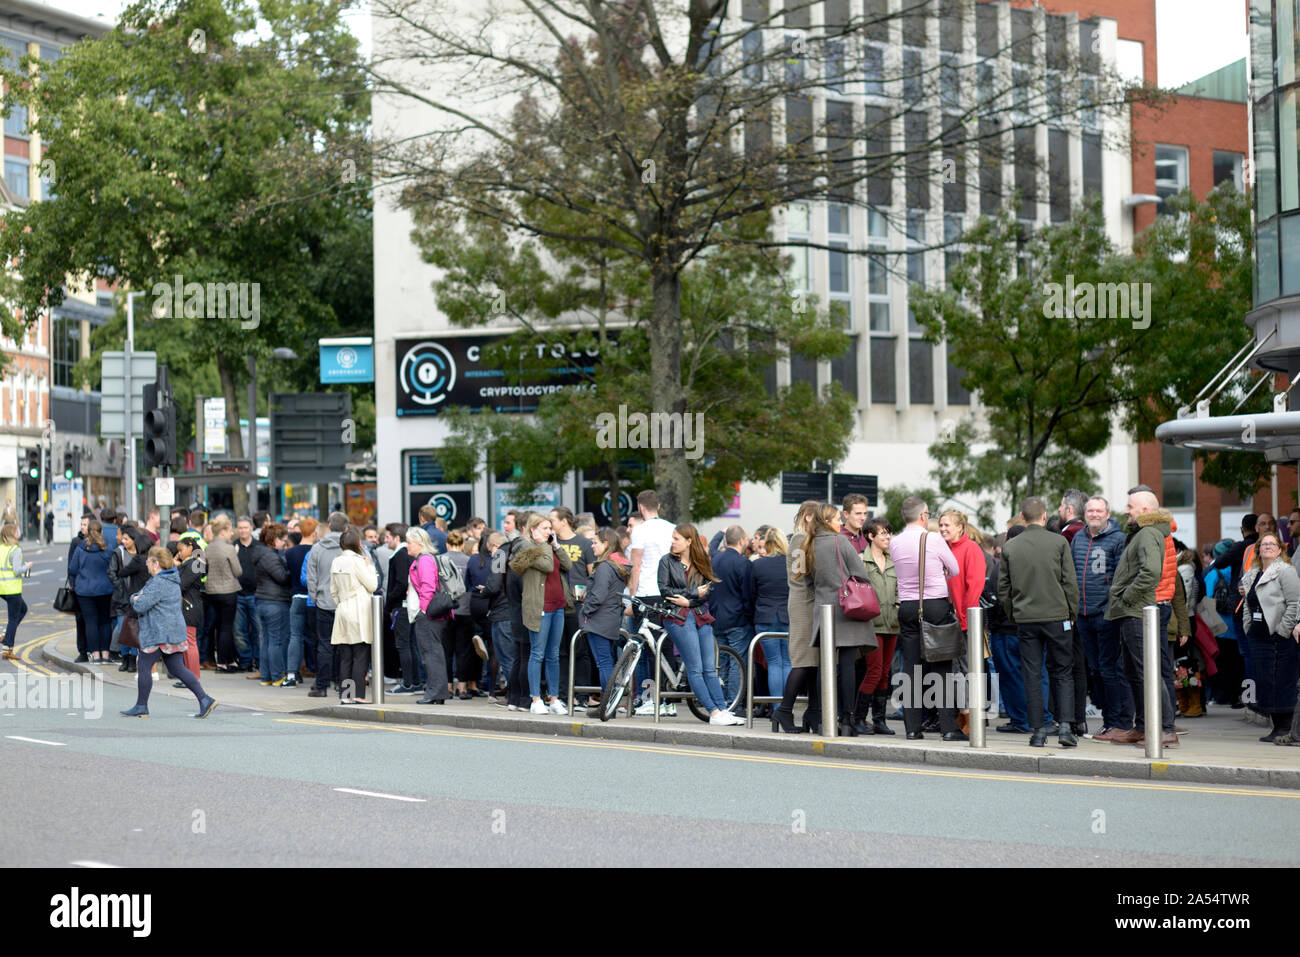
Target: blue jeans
x: 737, y: 639
x: 545, y: 645
x: 603, y: 650
x: 297, y: 634
x: 695, y: 645
x: 273, y: 617
x: 117, y: 632
x: 1011, y: 686
x: 17, y: 610
x: 1101, y: 645
x: 503, y: 645
x: 246, y: 631
x: 777, y: 653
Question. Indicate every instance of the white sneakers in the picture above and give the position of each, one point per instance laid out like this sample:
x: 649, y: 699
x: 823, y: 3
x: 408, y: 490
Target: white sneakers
x: 724, y: 718
x: 645, y: 709
x: 555, y: 707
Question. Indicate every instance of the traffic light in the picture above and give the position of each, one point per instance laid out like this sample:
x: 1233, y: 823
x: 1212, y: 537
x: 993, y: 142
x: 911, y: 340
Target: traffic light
x: 159, y: 423
x: 69, y: 467
x: 34, y: 464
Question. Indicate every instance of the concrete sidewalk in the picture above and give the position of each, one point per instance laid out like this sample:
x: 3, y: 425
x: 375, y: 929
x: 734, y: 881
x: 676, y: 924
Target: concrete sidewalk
x: 1221, y: 747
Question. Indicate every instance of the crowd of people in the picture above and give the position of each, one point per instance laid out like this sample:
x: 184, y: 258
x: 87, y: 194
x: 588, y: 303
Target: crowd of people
x: 473, y: 611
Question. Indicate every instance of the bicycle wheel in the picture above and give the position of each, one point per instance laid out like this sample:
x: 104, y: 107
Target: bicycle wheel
x: 619, y: 680
x: 738, y: 664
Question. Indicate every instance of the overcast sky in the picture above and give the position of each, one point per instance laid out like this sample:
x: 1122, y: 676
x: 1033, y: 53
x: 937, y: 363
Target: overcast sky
x: 1196, y: 36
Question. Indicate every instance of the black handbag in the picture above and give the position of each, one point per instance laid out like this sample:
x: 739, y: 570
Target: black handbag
x: 64, y: 599
x: 944, y: 641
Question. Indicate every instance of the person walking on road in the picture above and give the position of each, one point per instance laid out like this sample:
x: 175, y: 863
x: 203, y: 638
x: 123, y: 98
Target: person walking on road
x: 1039, y: 591
x: 89, y: 573
x: 12, y: 571
x: 353, y: 580
x: 163, y: 633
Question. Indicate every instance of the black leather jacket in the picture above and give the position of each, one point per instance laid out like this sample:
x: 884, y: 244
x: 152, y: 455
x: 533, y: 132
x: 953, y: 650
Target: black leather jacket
x: 672, y: 581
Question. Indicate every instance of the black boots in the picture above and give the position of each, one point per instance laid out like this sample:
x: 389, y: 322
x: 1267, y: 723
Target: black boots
x: 812, y: 721
x: 859, y: 717
x: 783, y: 721
x: 879, y: 708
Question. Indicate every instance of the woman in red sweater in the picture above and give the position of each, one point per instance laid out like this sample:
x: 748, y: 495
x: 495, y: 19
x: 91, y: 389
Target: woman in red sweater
x: 965, y: 587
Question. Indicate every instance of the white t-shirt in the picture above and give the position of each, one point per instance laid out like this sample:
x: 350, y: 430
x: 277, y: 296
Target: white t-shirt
x: 654, y: 538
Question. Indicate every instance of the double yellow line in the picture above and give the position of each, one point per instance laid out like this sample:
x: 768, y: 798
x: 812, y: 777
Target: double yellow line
x: 723, y: 755
x: 27, y: 649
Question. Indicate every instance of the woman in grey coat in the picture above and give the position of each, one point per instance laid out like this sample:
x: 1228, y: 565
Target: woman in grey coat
x: 1271, y: 611
x: 828, y: 572
x: 800, y: 608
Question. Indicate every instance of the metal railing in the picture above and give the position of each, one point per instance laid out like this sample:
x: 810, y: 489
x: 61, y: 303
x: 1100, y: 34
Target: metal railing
x: 975, y: 674
x: 1151, y: 680
x: 590, y: 689
x: 749, y: 676
x: 377, y: 648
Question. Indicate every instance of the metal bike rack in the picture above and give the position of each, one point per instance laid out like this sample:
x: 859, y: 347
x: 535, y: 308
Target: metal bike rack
x: 589, y: 689
x: 749, y: 677
x: 680, y: 695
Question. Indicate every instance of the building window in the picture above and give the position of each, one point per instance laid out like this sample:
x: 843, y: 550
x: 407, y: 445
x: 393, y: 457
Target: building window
x: 873, y: 70
x: 915, y: 12
x: 879, y: 183
x: 986, y: 30
x: 835, y: 74
x: 877, y: 20
x: 753, y: 10
x: 884, y: 387
x: 951, y: 25
x: 1228, y: 168
x: 839, y: 147
x: 65, y: 349
x: 1178, y: 476
x: 798, y: 228
x: 839, y: 278
x: 952, y: 230
x: 990, y: 139
x: 16, y: 122
x: 1027, y: 173
x: 752, y: 47
x: 793, y: 62
x: 844, y: 369
x: 797, y: 13
x: 1091, y: 163
x: 957, y: 394
x: 1171, y: 173
x: 1058, y: 175
x: 913, y: 88
x: 916, y: 135
x: 949, y: 83
x: 16, y: 176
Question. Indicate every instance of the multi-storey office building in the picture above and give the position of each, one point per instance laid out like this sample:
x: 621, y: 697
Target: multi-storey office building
x: 907, y: 390
x: 38, y: 385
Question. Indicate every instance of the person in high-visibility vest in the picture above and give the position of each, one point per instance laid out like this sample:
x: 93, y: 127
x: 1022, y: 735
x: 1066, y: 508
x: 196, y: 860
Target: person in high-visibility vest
x: 12, y: 571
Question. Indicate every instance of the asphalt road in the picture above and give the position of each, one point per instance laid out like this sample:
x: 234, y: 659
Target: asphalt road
x: 244, y: 788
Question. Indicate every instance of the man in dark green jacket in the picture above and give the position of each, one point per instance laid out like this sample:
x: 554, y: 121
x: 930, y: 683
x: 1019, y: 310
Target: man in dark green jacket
x: 1132, y: 589
x: 1040, y: 593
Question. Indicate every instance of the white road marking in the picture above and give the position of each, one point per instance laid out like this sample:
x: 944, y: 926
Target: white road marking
x: 92, y: 864
x: 15, y: 737
x: 376, y: 794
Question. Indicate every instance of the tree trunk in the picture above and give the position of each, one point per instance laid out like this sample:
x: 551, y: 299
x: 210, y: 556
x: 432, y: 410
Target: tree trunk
x: 234, y: 435
x: 672, y: 472
x: 615, y: 513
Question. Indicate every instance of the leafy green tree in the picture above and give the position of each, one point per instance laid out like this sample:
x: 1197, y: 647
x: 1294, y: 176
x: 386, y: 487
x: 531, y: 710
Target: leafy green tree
x: 226, y: 137
x: 891, y: 503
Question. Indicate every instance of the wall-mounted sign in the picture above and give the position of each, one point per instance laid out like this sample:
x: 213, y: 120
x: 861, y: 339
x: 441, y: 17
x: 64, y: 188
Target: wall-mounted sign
x: 347, y: 360
x: 433, y: 374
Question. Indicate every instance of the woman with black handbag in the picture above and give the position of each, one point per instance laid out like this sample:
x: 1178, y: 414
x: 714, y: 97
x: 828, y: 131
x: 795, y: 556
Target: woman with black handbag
x: 923, y: 563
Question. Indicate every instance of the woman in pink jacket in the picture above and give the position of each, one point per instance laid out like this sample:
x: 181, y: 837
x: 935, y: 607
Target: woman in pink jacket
x: 428, y: 632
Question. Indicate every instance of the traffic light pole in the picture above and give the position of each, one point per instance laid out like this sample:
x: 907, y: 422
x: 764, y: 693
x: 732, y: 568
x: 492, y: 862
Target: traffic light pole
x: 130, y: 496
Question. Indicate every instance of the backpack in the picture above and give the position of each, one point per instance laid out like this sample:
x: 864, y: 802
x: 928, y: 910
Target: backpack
x: 450, y: 588
x: 1225, y: 598
x: 993, y: 615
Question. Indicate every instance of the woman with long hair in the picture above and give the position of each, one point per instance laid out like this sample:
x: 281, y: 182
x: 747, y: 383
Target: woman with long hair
x: 772, y: 607
x: 274, y: 593
x: 873, y: 692
x: 163, y: 633
x: 685, y: 576
x: 831, y: 559
x: 1272, y: 614
x: 543, y: 567
x: 602, y: 607
x: 459, y: 637
x: 801, y: 609
x: 12, y: 571
x: 422, y: 582
x: 222, y: 589
x: 353, y: 579
x: 89, y: 573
